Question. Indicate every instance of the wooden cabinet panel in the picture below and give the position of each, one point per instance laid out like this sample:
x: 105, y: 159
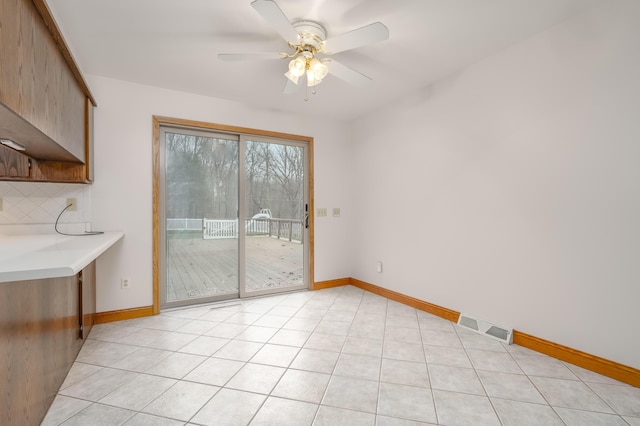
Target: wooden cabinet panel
x: 42, y: 323
x: 10, y: 75
x: 16, y: 128
x: 12, y: 163
x: 38, y: 344
x: 88, y: 140
x: 87, y: 299
x: 37, y: 83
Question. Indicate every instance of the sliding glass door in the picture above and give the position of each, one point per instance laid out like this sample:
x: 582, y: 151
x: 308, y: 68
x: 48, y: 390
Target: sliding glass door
x: 235, y: 220
x: 201, y: 216
x: 274, y: 243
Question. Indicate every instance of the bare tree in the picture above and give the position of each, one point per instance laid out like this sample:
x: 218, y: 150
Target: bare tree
x: 202, y: 177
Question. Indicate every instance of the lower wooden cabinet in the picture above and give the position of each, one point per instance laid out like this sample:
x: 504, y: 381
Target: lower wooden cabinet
x: 42, y: 326
x: 87, y: 298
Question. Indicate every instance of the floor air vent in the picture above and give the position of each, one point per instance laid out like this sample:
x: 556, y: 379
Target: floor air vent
x: 485, y: 328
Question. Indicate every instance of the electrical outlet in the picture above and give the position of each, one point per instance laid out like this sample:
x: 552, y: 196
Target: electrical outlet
x: 125, y: 283
x: 74, y: 204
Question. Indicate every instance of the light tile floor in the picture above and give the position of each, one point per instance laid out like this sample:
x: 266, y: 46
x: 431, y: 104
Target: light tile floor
x: 339, y: 356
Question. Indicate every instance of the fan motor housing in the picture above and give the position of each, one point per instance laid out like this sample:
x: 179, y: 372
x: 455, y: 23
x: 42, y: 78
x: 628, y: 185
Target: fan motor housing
x: 311, y: 32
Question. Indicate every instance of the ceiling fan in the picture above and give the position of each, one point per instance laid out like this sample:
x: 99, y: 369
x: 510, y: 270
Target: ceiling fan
x: 310, y: 47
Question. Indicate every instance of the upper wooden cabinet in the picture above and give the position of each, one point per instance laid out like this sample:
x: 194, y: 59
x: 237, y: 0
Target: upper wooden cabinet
x: 45, y: 104
x: 13, y: 164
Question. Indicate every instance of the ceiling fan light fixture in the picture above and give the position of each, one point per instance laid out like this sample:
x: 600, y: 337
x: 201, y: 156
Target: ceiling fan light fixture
x: 293, y: 78
x: 309, y: 38
x: 319, y: 69
x: 297, y: 66
x: 311, y: 81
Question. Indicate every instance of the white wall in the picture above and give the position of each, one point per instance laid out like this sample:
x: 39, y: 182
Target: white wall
x: 122, y: 194
x: 511, y: 190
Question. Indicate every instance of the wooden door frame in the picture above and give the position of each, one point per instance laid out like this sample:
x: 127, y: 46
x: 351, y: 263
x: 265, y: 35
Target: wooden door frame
x: 156, y: 230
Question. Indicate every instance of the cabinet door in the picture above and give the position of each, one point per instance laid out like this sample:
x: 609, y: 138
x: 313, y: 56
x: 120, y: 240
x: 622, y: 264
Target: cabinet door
x: 38, y: 345
x: 38, y: 85
x: 88, y: 140
x: 13, y: 164
x: 87, y: 286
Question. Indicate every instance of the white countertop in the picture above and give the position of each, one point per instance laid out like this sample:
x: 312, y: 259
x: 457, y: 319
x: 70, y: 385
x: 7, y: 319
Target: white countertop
x: 30, y: 257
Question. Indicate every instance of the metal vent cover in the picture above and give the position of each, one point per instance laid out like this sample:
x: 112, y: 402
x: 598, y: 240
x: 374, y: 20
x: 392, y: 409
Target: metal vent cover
x: 503, y: 334
x: 468, y: 322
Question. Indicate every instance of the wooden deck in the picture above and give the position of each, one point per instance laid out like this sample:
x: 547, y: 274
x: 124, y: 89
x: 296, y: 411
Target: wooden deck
x: 202, y: 268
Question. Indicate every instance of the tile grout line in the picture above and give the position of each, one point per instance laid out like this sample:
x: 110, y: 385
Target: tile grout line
x: 336, y: 298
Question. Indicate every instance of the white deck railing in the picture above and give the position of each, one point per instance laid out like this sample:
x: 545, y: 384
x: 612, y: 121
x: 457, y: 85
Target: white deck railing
x: 184, y: 224
x: 285, y: 229
x: 219, y: 228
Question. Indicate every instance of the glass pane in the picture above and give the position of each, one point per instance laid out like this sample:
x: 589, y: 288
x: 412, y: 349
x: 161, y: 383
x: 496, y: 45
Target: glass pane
x: 275, y: 212
x: 202, y: 220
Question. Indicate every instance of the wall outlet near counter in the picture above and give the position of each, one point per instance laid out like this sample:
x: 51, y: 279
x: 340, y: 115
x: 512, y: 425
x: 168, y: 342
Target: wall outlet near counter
x: 73, y: 202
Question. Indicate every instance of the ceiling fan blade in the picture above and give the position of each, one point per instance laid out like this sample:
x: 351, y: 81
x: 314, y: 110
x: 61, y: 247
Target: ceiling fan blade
x: 362, y: 36
x: 249, y: 56
x: 347, y: 74
x: 290, y: 87
x: 271, y: 13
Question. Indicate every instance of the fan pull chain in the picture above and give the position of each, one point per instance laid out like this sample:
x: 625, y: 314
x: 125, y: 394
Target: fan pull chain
x: 313, y: 91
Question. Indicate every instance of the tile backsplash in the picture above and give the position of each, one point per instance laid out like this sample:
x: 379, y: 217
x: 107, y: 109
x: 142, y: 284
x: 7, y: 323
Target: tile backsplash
x: 34, y: 203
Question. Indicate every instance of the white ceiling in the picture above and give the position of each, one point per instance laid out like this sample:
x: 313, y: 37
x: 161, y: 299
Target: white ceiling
x: 174, y: 44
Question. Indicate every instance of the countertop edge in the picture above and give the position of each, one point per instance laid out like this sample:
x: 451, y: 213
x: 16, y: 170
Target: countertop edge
x: 113, y: 237
x: 62, y: 265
